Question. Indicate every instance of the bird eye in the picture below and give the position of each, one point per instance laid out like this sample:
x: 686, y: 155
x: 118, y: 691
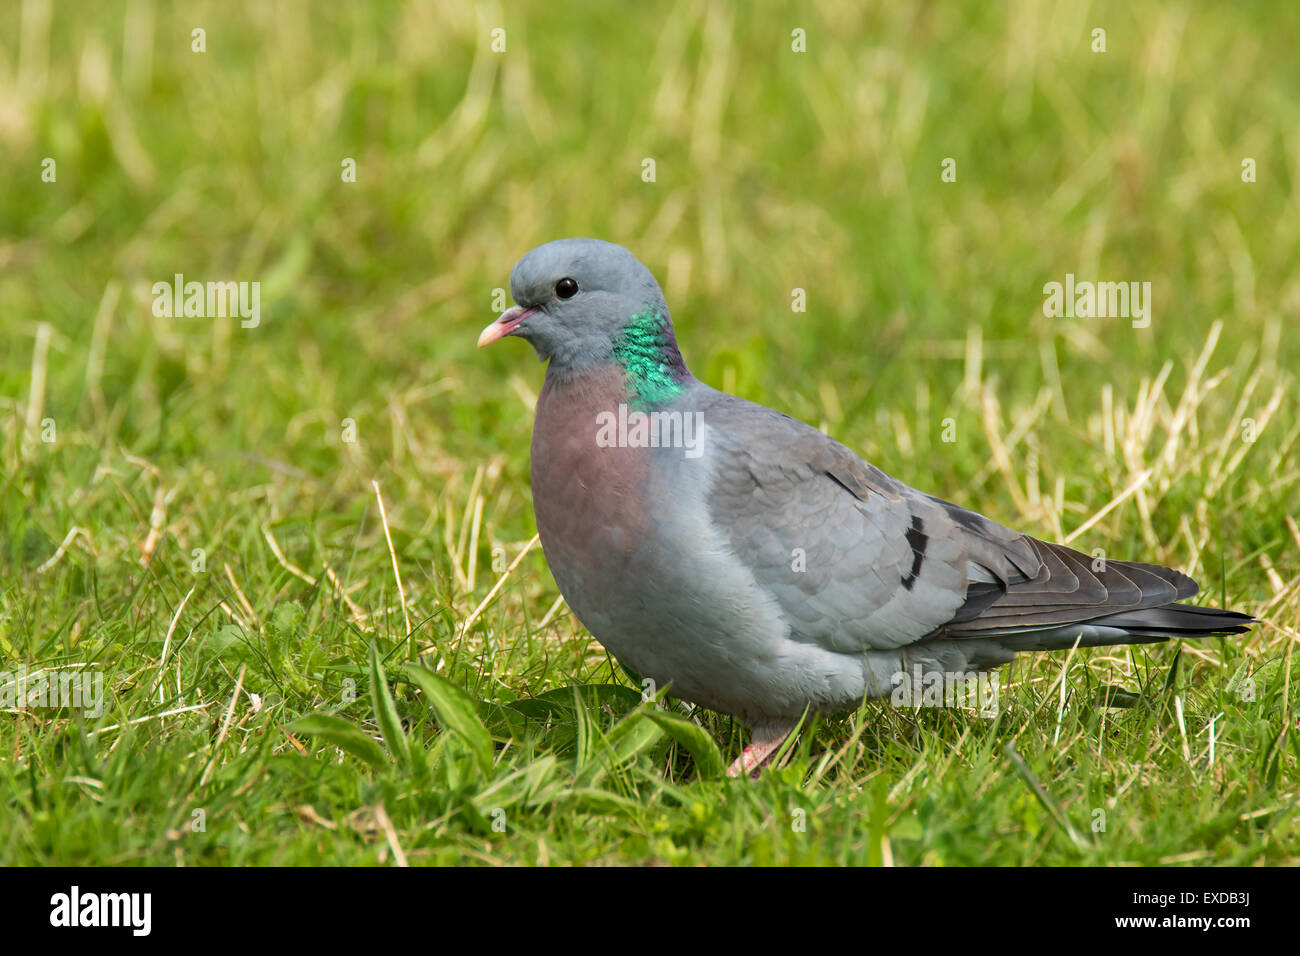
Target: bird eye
x: 566, y: 288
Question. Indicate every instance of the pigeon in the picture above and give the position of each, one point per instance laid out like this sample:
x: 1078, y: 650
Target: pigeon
x: 752, y: 564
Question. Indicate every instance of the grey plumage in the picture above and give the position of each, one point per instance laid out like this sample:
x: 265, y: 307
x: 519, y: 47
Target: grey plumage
x: 777, y: 570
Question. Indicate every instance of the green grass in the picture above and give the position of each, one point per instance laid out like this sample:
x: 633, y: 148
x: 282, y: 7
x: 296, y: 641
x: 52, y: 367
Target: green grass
x: 200, y: 535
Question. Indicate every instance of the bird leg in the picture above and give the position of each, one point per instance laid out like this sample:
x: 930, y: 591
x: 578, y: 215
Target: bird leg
x: 763, y: 745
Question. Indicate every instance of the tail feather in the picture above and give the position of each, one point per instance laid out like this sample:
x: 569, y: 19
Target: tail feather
x: 1150, y: 625
x: 1072, y: 599
x: 1178, y: 620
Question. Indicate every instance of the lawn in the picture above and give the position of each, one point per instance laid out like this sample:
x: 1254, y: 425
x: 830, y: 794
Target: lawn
x: 295, y: 550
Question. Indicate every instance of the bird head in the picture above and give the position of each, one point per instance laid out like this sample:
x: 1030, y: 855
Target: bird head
x: 575, y: 297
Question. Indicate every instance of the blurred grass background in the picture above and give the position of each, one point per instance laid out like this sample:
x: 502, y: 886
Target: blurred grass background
x: 774, y: 170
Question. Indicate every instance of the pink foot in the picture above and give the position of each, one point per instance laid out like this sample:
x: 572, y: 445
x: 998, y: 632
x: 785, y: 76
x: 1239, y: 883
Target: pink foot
x: 766, y: 741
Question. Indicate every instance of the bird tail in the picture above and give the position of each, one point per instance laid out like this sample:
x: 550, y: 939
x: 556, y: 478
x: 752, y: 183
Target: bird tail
x: 1148, y: 625
x: 1178, y: 620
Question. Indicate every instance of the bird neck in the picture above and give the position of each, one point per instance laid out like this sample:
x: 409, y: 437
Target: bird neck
x: 647, y: 351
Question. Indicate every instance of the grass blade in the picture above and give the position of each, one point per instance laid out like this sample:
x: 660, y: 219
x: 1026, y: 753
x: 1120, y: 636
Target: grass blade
x: 697, y: 741
x: 390, y: 725
x: 343, y: 734
x: 455, y: 712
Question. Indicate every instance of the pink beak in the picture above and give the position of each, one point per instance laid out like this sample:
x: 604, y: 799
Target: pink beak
x: 510, y: 320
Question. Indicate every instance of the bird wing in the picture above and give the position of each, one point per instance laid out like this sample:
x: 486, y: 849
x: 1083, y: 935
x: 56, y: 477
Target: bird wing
x: 860, y: 561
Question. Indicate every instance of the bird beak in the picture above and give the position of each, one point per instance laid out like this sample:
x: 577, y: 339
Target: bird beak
x: 510, y: 320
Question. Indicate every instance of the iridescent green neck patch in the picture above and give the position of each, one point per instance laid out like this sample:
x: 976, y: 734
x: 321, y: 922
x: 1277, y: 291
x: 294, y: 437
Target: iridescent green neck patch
x: 648, y: 353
